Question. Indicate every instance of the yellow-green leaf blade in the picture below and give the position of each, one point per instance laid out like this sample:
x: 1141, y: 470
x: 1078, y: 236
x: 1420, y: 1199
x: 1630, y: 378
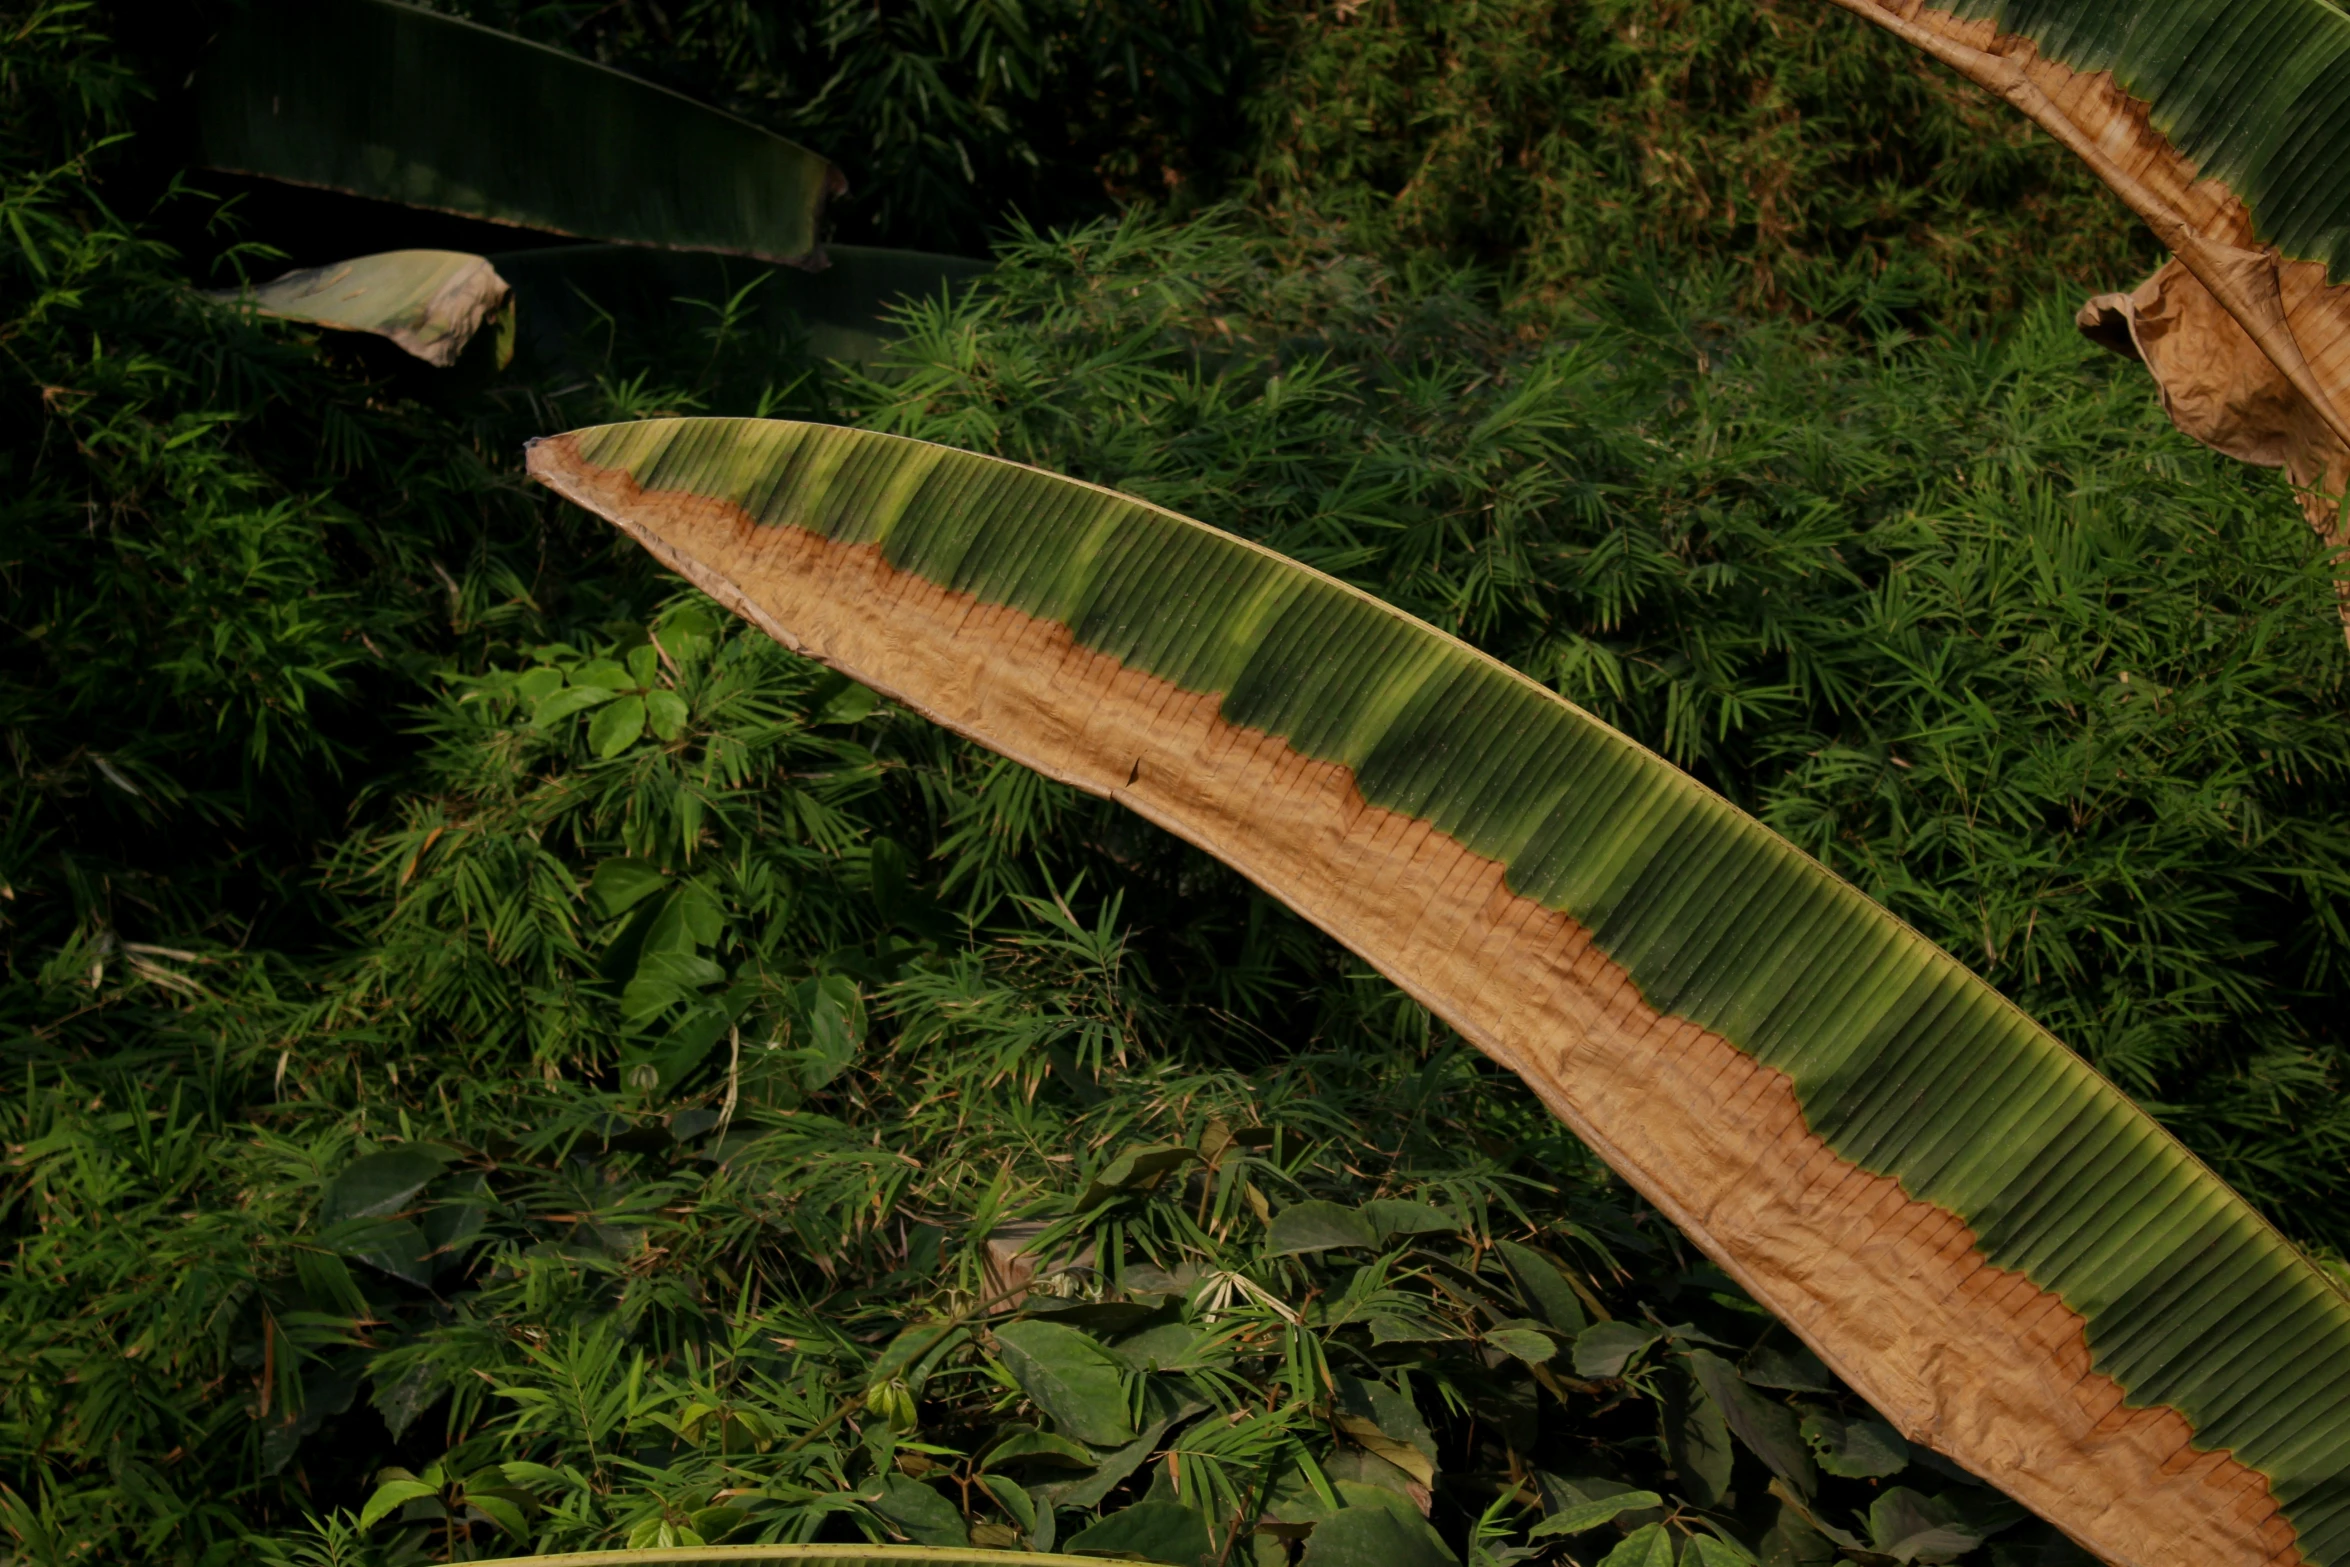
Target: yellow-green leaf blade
x: 430, y: 302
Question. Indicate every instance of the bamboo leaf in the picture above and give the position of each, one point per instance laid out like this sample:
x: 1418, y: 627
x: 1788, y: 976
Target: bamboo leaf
x: 2225, y: 124
x: 1070, y: 1377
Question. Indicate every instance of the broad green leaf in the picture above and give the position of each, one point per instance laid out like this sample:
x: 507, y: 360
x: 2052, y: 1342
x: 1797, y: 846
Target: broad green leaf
x: 1113, y: 1470
x: 562, y: 704
x: 2224, y: 125
x: 616, y: 725
x: 504, y: 1514
x: 687, y: 632
x: 376, y: 1185
x: 833, y: 1015
x: 1780, y: 1362
x: 620, y: 885
x: 1390, y: 1217
x: 1314, y: 1225
x: 1910, y: 1527
x: 1528, y: 1341
x: 1375, y: 1536
x: 1148, y: 1531
x: 391, y: 1494
x: 1856, y: 1449
x: 1708, y: 1550
x: 607, y: 674
x: 851, y: 704
x: 714, y: 1524
x: 1391, y: 1411
x: 1989, y: 1240
x: 1647, y: 1546
x: 1070, y: 1377
x: 1169, y: 1345
x: 1013, y: 1498
x: 1027, y: 1444
x: 665, y: 714
x: 398, y: 104
x: 1583, y: 1517
x: 919, y: 1512
x: 1136, y: 1169
x: 1768, y: 1428
x: 1604, y: 1349
x: 1697, y: 1439
x: 430, y: 302
x: 1545, y: 1288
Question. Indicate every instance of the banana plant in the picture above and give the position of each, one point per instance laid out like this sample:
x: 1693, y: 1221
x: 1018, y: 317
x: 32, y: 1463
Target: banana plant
x: 2225, y: 125
x: 395, y: 103
x: 429, y: 302
x: 1991, y: 1243
x: 384, y: 100
x: 571, y: 294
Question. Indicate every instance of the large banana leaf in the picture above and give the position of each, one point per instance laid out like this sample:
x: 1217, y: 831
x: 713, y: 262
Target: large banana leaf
x: 395, y: 103
x: 567, y: 291
x: 2225, y: 124
x: 1989, y: 1241
x: 430, y: 302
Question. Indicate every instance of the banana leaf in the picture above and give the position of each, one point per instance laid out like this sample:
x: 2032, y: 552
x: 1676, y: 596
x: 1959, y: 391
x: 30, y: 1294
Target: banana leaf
x: 430, y: 302
x: 572, y: 296
x: 1991, y: 1243
x: 2225, y: 124
x: 391, y: 102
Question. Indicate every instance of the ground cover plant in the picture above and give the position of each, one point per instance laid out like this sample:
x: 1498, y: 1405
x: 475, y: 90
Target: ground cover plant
x: 376, y: 832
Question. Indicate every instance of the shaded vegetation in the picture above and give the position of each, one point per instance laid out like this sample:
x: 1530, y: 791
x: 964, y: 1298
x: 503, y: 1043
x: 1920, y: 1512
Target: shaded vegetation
x: 1839, y: 172
x: 377, y: 830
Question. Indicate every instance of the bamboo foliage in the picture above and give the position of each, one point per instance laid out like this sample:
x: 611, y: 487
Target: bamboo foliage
x: 1988, y: 1240
x: 2225, y: 125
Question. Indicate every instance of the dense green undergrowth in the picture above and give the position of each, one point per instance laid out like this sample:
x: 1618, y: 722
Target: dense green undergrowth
x: 475, y: 1011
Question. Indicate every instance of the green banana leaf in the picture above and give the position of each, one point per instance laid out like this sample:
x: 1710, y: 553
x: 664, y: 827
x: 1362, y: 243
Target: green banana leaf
x: 2225, y: 124
x: 395, y: 103
x: 1991, y: 1243
x: 569, y: 293
x: 430, y: 302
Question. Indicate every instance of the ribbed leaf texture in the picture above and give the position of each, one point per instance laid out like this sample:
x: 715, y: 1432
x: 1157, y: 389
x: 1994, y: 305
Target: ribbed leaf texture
x: 1989, y: 1241
x: 430, y: 302
x: 387, y: 101
x: 2225, y: 124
